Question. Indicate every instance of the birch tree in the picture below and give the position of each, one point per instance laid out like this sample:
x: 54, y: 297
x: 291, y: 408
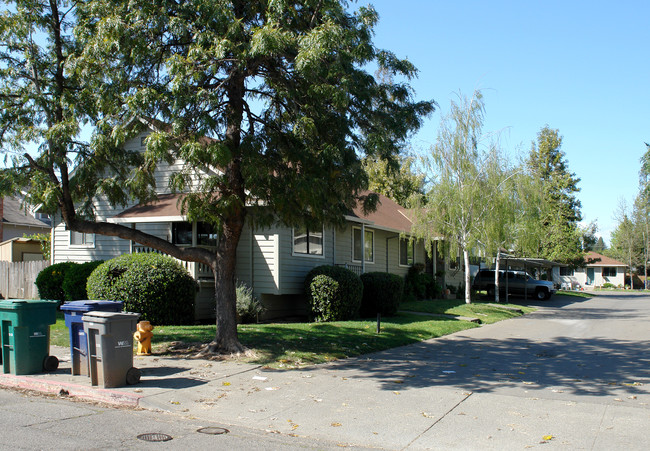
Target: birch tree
x: 464, y: 183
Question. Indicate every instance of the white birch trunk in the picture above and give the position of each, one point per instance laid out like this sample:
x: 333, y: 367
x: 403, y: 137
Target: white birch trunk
x: 468, y: 294
x: 496, y: 279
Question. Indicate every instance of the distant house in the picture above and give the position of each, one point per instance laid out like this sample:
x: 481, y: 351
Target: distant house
x: 18, y: 221
x: 273, y: 261
x: 598, y: 271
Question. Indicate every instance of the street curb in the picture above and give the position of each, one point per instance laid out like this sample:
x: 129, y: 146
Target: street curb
x: 69, y: 389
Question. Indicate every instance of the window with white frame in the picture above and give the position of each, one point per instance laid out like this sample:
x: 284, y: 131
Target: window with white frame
x: 609, y: 272
x: 78, y: 239
x: 406, y: 252
x: 307, y: 241
x: 566, y: 271
x: 368, y: 245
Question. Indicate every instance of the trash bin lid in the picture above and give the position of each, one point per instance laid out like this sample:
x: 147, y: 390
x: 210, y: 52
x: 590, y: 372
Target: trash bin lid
x: 92, y: 305
x: 18, y: 304
x: 100, y: 316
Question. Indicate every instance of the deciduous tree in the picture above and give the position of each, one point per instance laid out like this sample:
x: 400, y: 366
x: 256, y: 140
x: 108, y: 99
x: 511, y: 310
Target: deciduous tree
x: 464, y: 185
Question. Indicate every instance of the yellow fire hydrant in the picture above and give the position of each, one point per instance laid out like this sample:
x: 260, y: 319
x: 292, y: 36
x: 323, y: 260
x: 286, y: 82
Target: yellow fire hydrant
x: 143, y: 336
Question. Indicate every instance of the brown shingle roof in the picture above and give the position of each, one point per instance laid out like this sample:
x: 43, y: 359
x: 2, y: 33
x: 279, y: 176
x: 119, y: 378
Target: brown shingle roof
x: 165, y: 207
x: 603, y: 260
x: 388, y: 215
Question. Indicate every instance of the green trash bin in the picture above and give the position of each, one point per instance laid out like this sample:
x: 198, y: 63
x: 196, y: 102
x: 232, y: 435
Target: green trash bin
x: 25, y: 335
x: 110, y: 348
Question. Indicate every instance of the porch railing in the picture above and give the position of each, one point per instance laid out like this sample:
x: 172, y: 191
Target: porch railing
x: 196, y: 269
x: 357, y: 269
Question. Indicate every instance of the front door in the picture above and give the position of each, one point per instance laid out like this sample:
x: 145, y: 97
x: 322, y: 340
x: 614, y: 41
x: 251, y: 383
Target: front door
x: 590, y: 276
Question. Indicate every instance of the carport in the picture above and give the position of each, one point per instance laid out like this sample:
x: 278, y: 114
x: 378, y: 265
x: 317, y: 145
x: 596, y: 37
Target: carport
x: 510, y: 262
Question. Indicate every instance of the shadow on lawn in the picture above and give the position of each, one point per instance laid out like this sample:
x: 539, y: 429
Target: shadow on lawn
x: 338, y: 340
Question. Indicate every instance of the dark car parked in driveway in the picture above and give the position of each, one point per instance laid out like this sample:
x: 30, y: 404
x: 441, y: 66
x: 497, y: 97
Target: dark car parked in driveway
x: 518, y: 283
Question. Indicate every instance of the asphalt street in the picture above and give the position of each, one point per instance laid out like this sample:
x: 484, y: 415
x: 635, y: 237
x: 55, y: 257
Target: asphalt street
x: 575, y: 374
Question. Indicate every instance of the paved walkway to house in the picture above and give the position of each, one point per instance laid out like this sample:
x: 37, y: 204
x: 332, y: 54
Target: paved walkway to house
x: 573, y: 375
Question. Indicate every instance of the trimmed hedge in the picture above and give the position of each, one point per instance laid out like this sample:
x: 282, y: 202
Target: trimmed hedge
x: 382, y: 293
x: 334, y: 293
x: 154, y: 285
x: 76, y: 277
x: 50, y: 281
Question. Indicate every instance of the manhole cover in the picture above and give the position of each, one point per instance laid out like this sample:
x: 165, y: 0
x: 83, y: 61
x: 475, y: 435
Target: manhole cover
x: 154, y: 437
x: 213, y: 431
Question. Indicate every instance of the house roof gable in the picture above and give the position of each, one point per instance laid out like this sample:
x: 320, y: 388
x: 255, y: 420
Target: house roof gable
x: 604, y: 260
x: 389, y: 215
x: 13, y: 213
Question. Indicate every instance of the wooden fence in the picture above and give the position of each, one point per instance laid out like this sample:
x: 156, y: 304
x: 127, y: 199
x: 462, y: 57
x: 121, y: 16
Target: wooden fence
x: 17, y: 279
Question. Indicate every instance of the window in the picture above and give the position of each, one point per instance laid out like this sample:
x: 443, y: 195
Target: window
x: 78, y: 239
x: 205, y: 235
x: 609, y: 272
x: 307, y: 242
x: 406, y: 252
x: 566, y: 271
x: 182, y: 234
x: 369, y: 245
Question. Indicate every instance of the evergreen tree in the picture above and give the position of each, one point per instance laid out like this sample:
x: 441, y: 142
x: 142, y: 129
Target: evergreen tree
x: 268, y: 105
x: 560, y: 238
x: 600, y: 245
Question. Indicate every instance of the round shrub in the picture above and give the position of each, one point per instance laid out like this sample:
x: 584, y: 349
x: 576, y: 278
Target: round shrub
x: 50, y: 281
x: 154, y: 285
x: 382, y: 293
x: 334, y: 293
x: 74, y: 283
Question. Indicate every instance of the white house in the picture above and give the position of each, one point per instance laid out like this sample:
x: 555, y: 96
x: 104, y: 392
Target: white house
x: 272, y: 261
x: 598, y: 271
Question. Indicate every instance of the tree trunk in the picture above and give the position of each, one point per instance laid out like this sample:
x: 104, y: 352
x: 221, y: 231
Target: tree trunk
x: 496, y: 279
x: 468, y: 293
x: 226, y: 339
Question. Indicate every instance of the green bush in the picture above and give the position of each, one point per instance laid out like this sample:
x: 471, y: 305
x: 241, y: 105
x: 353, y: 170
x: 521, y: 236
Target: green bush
x: 154, y: 285
x: 334, y: 293
x: 609, y: 285
x: 249, y: 308
x: 419, y: 285
x: 382, y: 293
x: 74, y: 283
x: 50, y: 281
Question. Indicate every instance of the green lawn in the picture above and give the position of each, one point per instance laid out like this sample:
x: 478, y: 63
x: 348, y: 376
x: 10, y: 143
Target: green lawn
x: 292, y: 345
x: 577, y: 294
x: 488, y: 314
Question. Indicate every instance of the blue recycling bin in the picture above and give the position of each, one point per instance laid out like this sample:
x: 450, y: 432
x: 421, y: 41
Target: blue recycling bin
x: 73, y: 312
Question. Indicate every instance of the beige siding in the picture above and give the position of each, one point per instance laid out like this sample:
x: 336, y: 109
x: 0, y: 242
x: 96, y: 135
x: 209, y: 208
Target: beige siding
x: 386, y: 250
x: 294, y: 267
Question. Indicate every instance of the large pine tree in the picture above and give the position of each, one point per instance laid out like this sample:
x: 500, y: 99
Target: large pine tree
x: 560, y: 208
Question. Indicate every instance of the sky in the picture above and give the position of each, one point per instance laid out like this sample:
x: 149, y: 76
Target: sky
x: 580, y: 67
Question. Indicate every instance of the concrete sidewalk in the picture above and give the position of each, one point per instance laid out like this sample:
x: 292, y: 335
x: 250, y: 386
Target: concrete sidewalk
x: 509, y: 385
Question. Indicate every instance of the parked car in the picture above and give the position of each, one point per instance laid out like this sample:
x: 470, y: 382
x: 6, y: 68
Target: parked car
x: 518, y: 283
